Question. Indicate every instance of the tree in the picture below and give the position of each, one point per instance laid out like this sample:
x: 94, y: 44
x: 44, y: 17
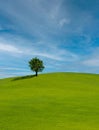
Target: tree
x: 36, y: 65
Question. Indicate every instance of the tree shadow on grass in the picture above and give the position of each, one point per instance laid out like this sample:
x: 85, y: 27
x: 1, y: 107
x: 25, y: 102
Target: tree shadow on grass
x: 24, y: 77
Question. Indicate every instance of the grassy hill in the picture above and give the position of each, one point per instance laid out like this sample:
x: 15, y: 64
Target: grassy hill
x: 58, y: 101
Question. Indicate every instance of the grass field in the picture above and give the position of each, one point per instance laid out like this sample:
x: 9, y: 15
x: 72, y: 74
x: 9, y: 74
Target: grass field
x: 58, y: 101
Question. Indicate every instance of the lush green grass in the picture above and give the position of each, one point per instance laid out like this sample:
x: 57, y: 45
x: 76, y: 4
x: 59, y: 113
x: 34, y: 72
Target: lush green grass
x: 61, y: 101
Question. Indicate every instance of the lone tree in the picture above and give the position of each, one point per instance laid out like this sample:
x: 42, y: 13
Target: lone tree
x: 36, y: 65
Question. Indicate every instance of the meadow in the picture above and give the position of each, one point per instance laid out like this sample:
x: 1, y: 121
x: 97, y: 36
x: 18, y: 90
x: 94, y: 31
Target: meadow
x: 55, y: 101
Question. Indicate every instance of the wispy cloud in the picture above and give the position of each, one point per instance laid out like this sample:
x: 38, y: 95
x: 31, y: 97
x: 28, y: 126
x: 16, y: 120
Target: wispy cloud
x: 64, y: 21
x: 94, y: 62
x: 62, y: 55
x: 9, y: 48
x: 11, y: 68
x: 93, y: 58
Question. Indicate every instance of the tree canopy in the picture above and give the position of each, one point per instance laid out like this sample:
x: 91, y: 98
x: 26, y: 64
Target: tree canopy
x: 36, y: 65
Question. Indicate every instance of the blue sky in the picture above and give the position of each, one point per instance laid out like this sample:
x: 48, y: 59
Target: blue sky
x: 63, y: 33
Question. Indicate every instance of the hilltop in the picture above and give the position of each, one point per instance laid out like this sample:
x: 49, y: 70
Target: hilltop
x: 55, y: 101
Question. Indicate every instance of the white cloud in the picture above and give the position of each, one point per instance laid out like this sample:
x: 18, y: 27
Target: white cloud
x: 93, y: 59
x: 9, y: 48
x: 51, y: 52
x: 6, y: 75
x: 55, y: 10
x: 34, y: 18
x: 12, y: 68
x: 64, y: 21
x: 92, y: 62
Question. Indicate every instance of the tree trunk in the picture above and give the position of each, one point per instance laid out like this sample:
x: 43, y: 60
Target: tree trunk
x: 36, y: 73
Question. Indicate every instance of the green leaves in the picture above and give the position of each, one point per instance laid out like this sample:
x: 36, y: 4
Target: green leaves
x: 36, y: 65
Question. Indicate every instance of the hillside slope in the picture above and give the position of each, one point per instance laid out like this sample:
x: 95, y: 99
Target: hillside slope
x: 58, y: 101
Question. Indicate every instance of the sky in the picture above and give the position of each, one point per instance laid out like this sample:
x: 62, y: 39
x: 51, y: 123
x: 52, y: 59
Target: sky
x: 62, y: 33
